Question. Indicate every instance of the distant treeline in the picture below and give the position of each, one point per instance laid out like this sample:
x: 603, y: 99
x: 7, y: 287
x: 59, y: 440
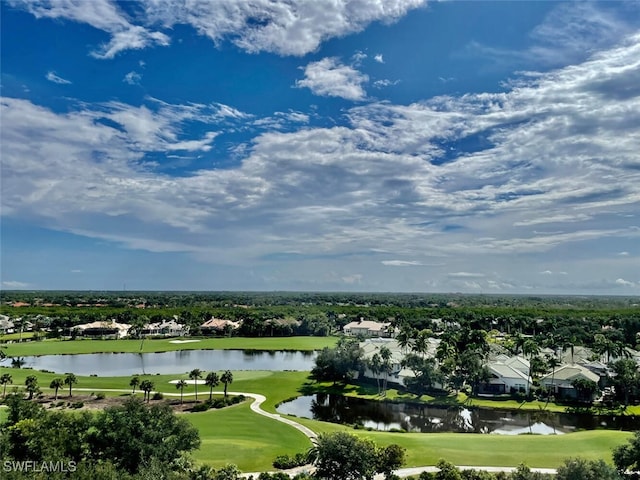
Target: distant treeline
x: 577, y: 319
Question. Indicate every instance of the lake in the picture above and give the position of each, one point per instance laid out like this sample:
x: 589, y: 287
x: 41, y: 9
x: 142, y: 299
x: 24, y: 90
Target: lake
x: 124, y: 364
x: 413, y: 418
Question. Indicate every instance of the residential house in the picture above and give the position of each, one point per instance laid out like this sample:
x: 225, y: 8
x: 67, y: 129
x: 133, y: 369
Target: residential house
x: 105, y: 329
x: 506, y: 378
x: 6, y: 325
x: 561, y: 380
x: 369, y: 328
x: 218, y: 325
x: 167, y: 328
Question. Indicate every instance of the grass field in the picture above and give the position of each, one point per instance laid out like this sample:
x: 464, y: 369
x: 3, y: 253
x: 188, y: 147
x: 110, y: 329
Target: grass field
x: 237, y: 435
x: 251, y: 441
x: 53, y: 347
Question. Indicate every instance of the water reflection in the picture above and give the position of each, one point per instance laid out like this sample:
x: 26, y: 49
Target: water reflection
x: 121, y: 364
x: 421, y: 418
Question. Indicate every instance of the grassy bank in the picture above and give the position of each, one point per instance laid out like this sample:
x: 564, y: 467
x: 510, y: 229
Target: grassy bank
x: 237, y: 435
x: 55, y: 347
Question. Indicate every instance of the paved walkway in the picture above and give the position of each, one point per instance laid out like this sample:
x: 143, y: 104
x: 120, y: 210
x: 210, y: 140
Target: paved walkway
x: 259, y: 399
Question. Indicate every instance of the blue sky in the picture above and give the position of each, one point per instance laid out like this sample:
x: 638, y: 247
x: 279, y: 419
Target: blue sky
x: 364, y: 145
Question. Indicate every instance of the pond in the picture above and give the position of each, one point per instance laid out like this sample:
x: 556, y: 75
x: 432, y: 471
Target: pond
x: 124, y: 364
x: 414, y: 418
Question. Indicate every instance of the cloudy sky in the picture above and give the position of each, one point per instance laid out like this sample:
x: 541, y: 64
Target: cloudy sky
x: 361, y: 145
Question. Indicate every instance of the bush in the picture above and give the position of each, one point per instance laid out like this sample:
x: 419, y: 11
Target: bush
x: 157, y: 396
x: 100, y: 396
x: 201, y: 407
x: 285, y: 462
x: 77, y: 405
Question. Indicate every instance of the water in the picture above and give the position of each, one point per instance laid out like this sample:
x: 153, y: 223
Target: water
x: 124, y: 364
x: 413, y: 418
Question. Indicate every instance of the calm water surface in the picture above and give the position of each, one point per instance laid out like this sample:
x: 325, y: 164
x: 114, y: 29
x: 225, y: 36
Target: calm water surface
x: 123, y: 364
x: 412, y: 418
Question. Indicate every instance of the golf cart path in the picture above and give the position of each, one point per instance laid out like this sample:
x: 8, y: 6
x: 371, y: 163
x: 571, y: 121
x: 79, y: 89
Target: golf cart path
x: 258, y: 400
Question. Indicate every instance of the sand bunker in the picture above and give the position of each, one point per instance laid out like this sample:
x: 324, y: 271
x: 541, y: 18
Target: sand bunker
x: 183, y: 341
x: 189, y: 382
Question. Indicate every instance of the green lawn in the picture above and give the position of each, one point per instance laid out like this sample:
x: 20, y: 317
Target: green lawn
x: 544, y: 451
x: 237, y: 435
x: 276, y: 386
x: 51, y: 347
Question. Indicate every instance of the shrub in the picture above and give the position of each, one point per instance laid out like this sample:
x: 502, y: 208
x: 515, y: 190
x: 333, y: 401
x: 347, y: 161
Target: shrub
x: 157, y: 396
x: 100, y: 396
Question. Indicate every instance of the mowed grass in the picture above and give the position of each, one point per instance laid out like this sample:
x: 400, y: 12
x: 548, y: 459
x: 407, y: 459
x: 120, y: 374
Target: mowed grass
x: 543, y: 451
x: 237, y: 435
x: 55, y: 347
x: 276, y: 386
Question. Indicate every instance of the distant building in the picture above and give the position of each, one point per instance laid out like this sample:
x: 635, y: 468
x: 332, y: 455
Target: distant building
x: 167, y: 328
x: 6, y: 325
x: 109, y: 328
x: 368, y: 328
x: 561, y: 380
x: 506, y: 376
x: 218, y: 325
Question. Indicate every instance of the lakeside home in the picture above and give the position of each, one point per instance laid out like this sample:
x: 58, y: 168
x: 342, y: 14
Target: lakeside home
x: 369, y: 328
x: 106, y: 329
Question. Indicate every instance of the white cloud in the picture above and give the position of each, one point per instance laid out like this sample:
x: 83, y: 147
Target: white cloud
x: 388, y: 178
x: 294, y: 27
x: 13, y: 284
x: 378, y: 58
x: 102, y: 15
x: 401, y: 263
x: 624, y: 254
x: 52, y: 77
x: 356, y: 278
x: 625, y: 283
x: 132, y: 78
x: 466, y: 275
x: 385, y: 83
x: 549, y: 272
x: 330, y: 78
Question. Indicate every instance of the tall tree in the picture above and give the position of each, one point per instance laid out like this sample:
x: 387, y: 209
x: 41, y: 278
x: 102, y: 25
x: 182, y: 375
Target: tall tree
x: 180, y: 385
x: 386, y: 366
x: 5, y: 379
x: 134, y: 382
x: 195, y: 375
x: 212, y: 380
x: 375, y: 365
x: 226, y: 378
x: 627, y: 457
x: 70, y: 379
x: 147, y: 386
x: 56, y: 384
x: 31, y: 385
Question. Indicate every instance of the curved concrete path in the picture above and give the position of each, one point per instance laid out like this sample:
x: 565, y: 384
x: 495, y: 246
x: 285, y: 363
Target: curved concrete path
x: 259, y: 399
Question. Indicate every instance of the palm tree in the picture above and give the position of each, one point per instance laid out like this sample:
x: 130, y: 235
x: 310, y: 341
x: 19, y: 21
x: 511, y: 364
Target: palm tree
x: 211, y: 381
x: 405, y: 337
x: 375, y: 365
x: 4, y: 380
x: 226, y: 378
x: 31, y: 383
x: 553, y: 362
x: 385, y: 355
x: 70, y: 379
x: 194, y: 375
x: 181, y: 384
x: 421, y: 343
x: 146, y: 386
x: 56, y: 384
x: 134, y: 382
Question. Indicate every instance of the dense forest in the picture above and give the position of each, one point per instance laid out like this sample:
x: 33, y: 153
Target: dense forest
x: 575, y: 319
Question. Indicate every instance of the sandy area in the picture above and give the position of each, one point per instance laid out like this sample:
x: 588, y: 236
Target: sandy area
x: 189, y: 382
x: 183, y: 341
